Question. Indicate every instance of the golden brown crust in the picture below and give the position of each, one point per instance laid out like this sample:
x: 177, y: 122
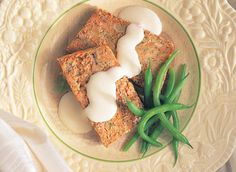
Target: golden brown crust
x: 104, y: 28
x: 77, y: 69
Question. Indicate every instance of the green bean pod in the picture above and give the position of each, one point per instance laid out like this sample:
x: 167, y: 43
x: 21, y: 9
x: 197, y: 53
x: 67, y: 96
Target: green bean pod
x: 170, y: 82
x: 147, y: 96
x: 177, y: 90
x: 182, y: 72
x: 175, y: 142
x: 143, y: 146
x: 159, y: 112
x: 148, y: 87
x: 135, y: 137
x: 132, y: 140
x: 148, y: 131
x: 159, y: 129
x: 170, y: 85
x: 182, y: 75
x: 175, y: 133
x: 160, y: 79
x: 134, y: 109
x: 156, y: 133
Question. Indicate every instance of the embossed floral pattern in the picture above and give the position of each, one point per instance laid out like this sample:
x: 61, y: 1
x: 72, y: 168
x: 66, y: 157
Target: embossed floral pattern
x: 211, y: 23
x: 213, y: 60
x: 192, y: 14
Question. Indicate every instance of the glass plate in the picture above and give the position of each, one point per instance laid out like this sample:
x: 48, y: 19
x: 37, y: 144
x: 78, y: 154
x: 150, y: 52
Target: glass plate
x: 46, y: 71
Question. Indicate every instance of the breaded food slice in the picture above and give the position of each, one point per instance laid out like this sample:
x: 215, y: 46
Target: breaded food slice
x: 105, y: 28
x: 124, y: 120
x: 79, y: 66
x: 77, y: 69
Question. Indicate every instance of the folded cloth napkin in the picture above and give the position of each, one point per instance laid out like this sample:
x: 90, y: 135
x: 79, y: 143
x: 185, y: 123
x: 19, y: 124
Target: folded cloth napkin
x: 230, y: 166
x: 18, y: 139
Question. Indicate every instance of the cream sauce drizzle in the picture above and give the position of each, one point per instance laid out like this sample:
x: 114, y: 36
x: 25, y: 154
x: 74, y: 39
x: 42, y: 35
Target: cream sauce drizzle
x: 72, y: 115
x: 101, y: 88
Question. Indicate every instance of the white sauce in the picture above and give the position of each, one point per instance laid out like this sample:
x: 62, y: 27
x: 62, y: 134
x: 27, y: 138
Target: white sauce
x: 102, y: 99
x: 101, y: 88
x: 126, y: 53
x: 72, y: 115
x: 143, y: 16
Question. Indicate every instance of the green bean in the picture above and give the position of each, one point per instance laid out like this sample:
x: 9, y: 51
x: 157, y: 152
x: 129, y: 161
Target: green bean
x: 175, y: 133
x: 160, y: 127
x: 148, y: 131
x: 147, y: 95
x: 143, y: 146
x: 156, y: 133
x: 144, y: 143
x: 139, y: 112
x: 133, y: 139
x: 181, y: 77
x: 182, y: 72
x: 148, y: 87
x: 160, y: 78
x: 175, y: 142
x: 134, y: 109
x: 170, y: 82
x: 159, y: 112
x: 171, y: 98
x: 151, y: 129
x: 177, y: 89
x: 175, y: 94
x: 136, y: 135
x: 159, y: 130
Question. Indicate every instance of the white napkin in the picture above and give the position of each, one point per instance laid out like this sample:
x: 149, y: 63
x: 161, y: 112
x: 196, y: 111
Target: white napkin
x: 16, y: 137
x: 230, y: 166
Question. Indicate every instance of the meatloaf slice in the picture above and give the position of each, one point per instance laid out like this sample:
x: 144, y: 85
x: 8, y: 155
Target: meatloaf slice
x: 79, y: 66
x: 77, y: 69
x: 105, y: 28
x: 124, y: 120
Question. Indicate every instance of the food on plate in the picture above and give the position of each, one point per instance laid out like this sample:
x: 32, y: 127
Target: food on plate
x: 124, y: 120
x: 154, y: 109
x: 110, y: 54
x: 79, y: 66
x: 77, y: 69
x: 105, y: 28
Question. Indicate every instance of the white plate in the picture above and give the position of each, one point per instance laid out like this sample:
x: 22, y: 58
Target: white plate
x: 46, y: 72
x: 211, y: 130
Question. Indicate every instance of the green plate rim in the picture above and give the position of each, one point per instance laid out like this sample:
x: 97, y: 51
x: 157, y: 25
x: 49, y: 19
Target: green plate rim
x: 105, y: 160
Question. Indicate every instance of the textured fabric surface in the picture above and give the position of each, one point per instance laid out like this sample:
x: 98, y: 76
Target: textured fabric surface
x: 18, y: 139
